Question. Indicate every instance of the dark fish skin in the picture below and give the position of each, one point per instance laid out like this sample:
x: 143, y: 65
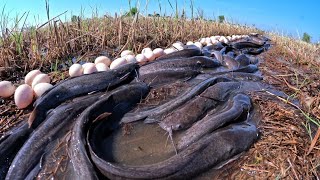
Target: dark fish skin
x: 31, y: 152
x: 240, y: 104
x: 243, y: 59
x: 185, y: 53
x: 196, y: 63
x: 230, y: 62
x: 189, y: 113
x: 251, y: 68
x: 243, y: 76
x: 128, y: 94
x: 10, y: 146
x: 221, y: 90
x: 78, y: 86
x: 156, y: 114
x: 166, y: 76
x: 246, y: 44
x: 255, y: 51
x: 196, y: 158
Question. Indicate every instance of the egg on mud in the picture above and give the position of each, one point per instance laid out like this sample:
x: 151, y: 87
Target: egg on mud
x: 6, y: 89
x: 103, y: 59
x: 31, y: 75
x: 75, y: 70
x: 40, y: 78
x: 41, y: 88
x: 23, y: 96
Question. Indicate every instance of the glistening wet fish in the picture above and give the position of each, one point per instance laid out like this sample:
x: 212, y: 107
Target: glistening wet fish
x: 156, y: 114
x: 30, y: 153
x: 127, y: 94
x: 239, y: 104
x: 185, y: 53
x: 78, y: 86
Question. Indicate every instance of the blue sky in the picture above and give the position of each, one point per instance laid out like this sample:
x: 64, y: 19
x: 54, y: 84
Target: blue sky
x: 283, y: 16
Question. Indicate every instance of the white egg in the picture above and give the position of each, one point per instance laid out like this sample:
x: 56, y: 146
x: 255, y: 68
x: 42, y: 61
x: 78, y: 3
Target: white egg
x: 103, y: 59
x: 141, y: 58
x: 40, y: 78
x: 189, y: 43
x: 126, y: 52
x: 149, y: 55
x: 30, y: 76
x: 118, y: 62
x: 75, y: 70
x: 89, y: 68
x: 208, y: 41
x: 130, y: 58
x: 178, y: 46
x: 41, y: 88
x: 158, y: 52
x: 6, y: 89
x: 228, y: 38
x: 198, y: 44
x: 215, y: 42
x: 203, y: 40
x: 146, y: 50
x: 169, y: 50
x: 102, y: 67
x: 23, y: 96
x: 87, y: 64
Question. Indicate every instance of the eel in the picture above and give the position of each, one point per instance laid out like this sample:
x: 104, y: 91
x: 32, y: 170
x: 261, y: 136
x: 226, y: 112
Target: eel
x: 10, y: 146
x: 239, y: 104
x: 59, y: 118
x: 156, y: 114
x: 185, y: 53
x: 128, y: 94
x: 195, y: 63
x: 78, y: 86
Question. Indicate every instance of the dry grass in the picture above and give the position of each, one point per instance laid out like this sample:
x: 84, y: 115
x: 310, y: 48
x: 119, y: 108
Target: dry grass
x: 285, y: 149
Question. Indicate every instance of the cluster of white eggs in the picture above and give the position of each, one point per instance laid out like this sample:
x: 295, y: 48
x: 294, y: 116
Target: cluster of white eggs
x: 36, y: 83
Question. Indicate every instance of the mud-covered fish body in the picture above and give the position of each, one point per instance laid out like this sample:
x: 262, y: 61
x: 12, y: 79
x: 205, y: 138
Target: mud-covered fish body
x: 185, y: 53
x: 78, y: 86
x: 246, y: 44
x: 127, y: 94
x: 31, y: 152
x: 239, y: 104
x: 243, y: 59
x: 195, y: 63
x: 230, y: 63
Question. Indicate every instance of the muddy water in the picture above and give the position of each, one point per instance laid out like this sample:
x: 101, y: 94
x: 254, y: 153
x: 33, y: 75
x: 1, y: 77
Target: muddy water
x: 143, y: 144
